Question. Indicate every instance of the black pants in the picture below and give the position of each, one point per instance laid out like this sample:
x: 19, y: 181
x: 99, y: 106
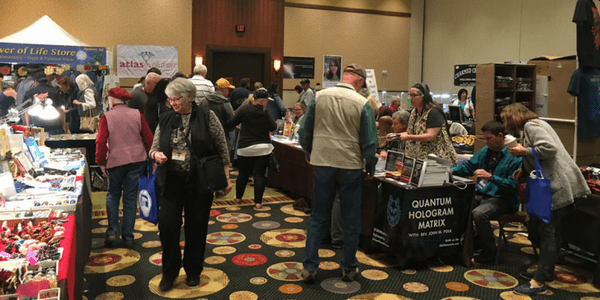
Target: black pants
x: 255, y: 166
x: 175, y: 200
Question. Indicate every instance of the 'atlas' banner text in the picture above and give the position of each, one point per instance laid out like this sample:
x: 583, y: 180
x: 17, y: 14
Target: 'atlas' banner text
x: 133, y: 61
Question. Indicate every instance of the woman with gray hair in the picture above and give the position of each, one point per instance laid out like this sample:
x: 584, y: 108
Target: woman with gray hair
x: 84, y: 104
x: 187, y: 130
x: 399, y: 124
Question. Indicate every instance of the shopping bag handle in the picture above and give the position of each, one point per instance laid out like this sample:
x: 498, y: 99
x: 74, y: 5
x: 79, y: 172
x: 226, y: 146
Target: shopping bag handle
x: 538, y: 166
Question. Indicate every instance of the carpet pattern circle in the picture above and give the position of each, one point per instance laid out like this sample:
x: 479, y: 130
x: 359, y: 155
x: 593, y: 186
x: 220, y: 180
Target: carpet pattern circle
x: 378, y: 296
x: 211, y: 281
x: 289, y: 209
x: 293, y: 220
x: 285, y: 238
x: 121, y: 280
x: 415, y: 287
x: 254, y: 246
x: 151, y: 244
x: 442, y: 268
x: 224, y: 250
x: 337, y: 286
x: 110, y: 296
x: 266, y: 225
x: 230, y: 226
x: 290, y: 288
x: 457, y: 286
x: 262, y: 215
x: 285, y: 253
x: 214, y: 212
x: 215, y: 260
x: 373, y: 274
x: 491, y: 279
x: 258, y: 280
x: 243, y: 295
x: 375, y: 260
x: 286, y: 271
x: 325, y: 253
x: 225, y: 238
x: 329, y: 265
x: 249, y: 259
x: 234, y: 218
x: 109, y: 260
x: 99, y: 230
x: 510, y: 295
x: 141, y: 225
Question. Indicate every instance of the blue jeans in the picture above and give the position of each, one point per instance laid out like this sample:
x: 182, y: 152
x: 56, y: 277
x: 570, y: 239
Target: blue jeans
x: 487, y: 209
x: 326, y: 181
x: 123, y: 179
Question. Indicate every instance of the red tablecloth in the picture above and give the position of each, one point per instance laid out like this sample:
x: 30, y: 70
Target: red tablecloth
x: 66, y: 265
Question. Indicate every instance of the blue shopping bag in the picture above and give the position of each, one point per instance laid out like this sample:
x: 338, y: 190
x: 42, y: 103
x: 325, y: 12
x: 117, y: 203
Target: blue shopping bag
x: 539, y: 194
x: 147, y: 196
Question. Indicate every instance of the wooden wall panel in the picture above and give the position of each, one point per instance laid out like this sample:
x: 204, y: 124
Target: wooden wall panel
x: 214, y: 21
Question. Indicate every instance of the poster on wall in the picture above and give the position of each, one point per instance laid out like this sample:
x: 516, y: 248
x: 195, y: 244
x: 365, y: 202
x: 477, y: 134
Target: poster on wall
x: 133, y: 61
x: 298, y: 67
x: 464, y: 75
x: 372, y: 84
x: 332, y: 70
x: 52, y: 54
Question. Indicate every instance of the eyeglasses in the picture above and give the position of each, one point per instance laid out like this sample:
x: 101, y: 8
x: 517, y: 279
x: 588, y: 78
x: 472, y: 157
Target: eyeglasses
x: 413, y: 95
x: 170, y: 99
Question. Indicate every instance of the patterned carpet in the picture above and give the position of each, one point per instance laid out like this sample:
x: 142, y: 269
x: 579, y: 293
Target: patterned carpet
x: 257, y: 254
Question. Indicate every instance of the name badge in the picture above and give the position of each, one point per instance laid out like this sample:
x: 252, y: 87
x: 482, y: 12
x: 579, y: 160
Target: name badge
x: 178, y: 155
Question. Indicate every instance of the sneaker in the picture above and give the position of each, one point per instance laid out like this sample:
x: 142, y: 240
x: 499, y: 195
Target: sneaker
x: 109, y: 241
x: 308, y: 276
x: 349, y: 275
x: 529, y: 276
x: 526, y: 289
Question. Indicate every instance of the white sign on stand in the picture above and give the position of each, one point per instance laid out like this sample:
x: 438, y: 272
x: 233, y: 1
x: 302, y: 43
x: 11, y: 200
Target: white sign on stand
x: 372, y: 84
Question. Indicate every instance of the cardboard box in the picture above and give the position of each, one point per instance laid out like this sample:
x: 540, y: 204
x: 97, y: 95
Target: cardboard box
x: 558, y: 69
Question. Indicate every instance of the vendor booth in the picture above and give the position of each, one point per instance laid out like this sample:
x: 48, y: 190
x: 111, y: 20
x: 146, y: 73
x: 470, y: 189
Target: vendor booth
x: 46, y: 196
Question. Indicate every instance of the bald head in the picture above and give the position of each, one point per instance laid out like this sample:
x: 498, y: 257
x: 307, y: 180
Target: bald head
x: 150, y: 83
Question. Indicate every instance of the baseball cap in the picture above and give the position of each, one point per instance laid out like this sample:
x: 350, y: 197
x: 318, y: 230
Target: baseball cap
x: 358, y: 70
x: 223, y: 83
x: 262, y: 94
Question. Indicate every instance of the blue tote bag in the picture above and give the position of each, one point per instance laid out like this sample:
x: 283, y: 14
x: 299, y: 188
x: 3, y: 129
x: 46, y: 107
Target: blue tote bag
x: 539, y: 194
x: 147, y: 196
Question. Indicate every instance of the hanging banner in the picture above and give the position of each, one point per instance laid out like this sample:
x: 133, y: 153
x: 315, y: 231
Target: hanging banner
x: 51, y: 54
x: 372, y: 84
x: 464, y: 75
x: 133, y: 61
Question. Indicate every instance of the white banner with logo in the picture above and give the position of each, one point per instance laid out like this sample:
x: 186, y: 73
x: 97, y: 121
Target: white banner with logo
x: 133, y: 61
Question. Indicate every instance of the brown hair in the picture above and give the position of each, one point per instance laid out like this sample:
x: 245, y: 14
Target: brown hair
x: 515, y: 116
x: 65, y: 82
x: 385, y: 127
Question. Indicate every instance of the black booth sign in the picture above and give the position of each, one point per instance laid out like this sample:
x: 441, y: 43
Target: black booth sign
x: 298, y: 67
x: 464, y: 75
x: 419, y: 222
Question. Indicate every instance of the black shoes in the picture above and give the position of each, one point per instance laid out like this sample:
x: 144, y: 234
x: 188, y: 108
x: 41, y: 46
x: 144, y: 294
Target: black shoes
x: 193, y: 280
x: 109, y: 241
x: 349, y: 275
x: 166, y: 284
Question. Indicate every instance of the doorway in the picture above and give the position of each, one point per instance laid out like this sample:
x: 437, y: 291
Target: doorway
x: 237, y: 65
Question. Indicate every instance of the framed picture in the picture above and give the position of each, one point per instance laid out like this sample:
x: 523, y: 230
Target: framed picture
x: 298, y: 67
x: 392, y: 160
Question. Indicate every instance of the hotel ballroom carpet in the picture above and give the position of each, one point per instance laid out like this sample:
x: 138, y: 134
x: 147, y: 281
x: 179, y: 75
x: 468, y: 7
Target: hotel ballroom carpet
x: 257, y: 254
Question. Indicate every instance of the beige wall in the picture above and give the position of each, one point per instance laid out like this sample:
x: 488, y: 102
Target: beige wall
x: 475, y: 31
x: 374, y: 41
x: 110, y: 22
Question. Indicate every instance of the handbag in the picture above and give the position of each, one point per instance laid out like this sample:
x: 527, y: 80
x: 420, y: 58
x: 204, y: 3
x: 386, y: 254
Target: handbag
x: 273, y: 163
x: 211, y: 175
x: 89, y: 123
x: 147, y: 196
x: 539, y: 193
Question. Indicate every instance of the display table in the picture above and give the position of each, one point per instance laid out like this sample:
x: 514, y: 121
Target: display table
x: 295, y: 174
x: 86, y: 141
x: 417, y: 223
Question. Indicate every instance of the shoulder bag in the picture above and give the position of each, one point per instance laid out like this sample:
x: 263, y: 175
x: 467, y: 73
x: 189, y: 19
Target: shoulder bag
x: 539, y: 193
x: 209, y: 169
x: 147, y: 196
x: 89, y: 123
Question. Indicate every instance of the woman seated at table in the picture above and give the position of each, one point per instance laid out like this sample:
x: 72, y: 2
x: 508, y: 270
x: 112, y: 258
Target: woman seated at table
x: 427, y: 129
x: 399, y: 124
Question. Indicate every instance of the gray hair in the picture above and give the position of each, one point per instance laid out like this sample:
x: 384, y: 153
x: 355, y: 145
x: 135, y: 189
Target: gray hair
x: 84, y: 82
x: 152, y: 76
x: 402, y: 115
x: 200, y: 69
x: 181, y: 87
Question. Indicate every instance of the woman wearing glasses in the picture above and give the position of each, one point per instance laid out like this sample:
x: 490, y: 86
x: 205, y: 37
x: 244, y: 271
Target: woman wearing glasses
x: 427, y: 129
x: 187, y: 130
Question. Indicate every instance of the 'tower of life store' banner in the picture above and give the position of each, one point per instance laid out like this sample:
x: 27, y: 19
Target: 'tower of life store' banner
x: 133, y: 61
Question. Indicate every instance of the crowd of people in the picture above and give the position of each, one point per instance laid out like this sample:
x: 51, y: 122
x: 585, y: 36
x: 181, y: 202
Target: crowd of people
x: 170, y: 123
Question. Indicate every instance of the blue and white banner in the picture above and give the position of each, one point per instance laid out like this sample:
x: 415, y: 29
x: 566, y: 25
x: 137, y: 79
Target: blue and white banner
x: 51, y: 54
x: 133, y: 61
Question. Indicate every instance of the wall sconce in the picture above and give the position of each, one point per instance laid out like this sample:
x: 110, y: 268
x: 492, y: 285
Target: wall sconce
x: 198, y: 60
x: 277, y: 65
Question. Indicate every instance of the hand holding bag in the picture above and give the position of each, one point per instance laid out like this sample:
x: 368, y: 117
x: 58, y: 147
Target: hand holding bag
x: 89, y: 123
x: 147, y: 196
x: 539, y: 193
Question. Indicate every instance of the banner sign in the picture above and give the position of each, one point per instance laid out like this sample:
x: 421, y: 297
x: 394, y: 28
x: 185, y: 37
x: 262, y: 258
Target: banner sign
x: 372, y: 84
x: 464, y: 75
x: 52, y: 54
x: 133, y: 61
x: 420, y: 222
x: 298, y: 67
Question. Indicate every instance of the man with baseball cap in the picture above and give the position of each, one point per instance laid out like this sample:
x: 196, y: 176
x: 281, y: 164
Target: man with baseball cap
x: 217, y: 102
x: 122, y: 145
x: 335, y: 142
x: 307, y: 94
